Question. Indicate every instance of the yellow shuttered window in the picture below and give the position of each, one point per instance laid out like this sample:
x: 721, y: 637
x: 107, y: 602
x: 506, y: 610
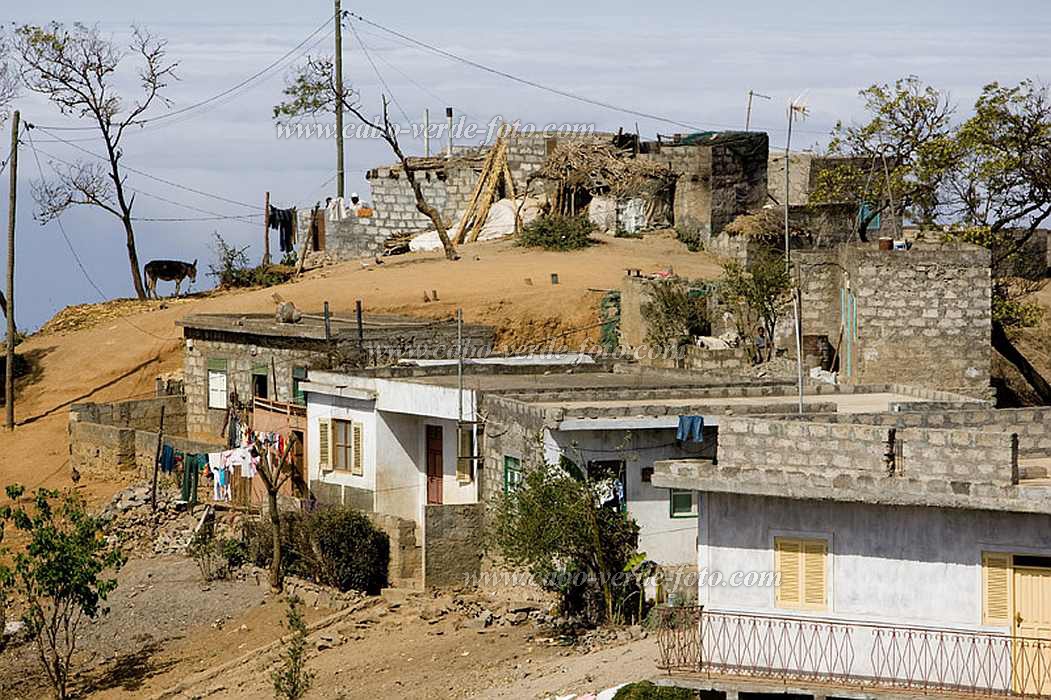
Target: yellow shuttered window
x: 324, y: 444
x: 996, y: 589
x: 802, y: 569
x: 358, y: 451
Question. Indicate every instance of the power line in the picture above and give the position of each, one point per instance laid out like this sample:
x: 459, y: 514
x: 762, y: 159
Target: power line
x: 532, y: 83
x: 211, y: 215
x: 154, y: 177
x: 368, y: 56
x: 76, y: 256
x: 229, y: 91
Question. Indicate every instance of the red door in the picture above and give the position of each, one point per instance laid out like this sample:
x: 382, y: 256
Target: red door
x: 434, y: 464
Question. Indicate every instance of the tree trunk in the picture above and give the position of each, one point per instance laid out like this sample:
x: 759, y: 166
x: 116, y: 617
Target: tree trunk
x: 430, y: 212
x: 277, y: 578
x: 133, y: 259
x: 1003, y: 345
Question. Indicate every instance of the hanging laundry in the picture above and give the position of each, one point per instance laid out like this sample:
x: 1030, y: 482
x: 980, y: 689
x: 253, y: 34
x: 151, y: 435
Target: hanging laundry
x: 283, y: 221
x: 337, y: 209
x: 190, y: 474
x: 691, y: 429
x: 167, y: 462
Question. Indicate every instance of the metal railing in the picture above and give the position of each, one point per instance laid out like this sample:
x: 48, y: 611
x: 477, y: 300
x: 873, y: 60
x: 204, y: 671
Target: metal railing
x: 773, y: 648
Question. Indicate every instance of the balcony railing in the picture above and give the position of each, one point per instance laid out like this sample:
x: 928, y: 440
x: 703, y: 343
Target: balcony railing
x: 860, y: 655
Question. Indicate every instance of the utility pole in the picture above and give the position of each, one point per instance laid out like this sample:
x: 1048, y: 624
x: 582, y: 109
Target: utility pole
x: 427, y: 133
x: 449, y: 118
x: 341, y: 183
x: 748, y: 114
x: 266, y: 229
x: 9, y: 383
x: 795, y: 107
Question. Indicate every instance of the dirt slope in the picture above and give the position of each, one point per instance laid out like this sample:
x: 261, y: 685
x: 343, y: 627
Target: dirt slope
x: 120, y: 357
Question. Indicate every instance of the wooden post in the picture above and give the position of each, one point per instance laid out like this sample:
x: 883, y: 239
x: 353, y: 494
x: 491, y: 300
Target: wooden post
x: 361, y: 325
x: 328, y: 324
x: 9, y: 382
x: 266, y: 229
x: 156, y: 462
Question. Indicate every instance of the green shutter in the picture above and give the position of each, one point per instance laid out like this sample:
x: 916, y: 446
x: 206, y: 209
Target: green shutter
x: 299, y: 375
x: 512, y: 473
x: 216, y: 364
x: 260, y: 370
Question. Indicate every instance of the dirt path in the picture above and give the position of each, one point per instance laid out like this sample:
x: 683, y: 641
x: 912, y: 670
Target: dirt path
x: 120, y: 357
x: 416, y: 650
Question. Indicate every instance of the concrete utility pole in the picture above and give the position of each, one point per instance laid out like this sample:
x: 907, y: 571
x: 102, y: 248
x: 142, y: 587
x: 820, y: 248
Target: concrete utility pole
x: 748, y: 114
x: 449, y: 118
x: 427, y: 133
x: 341, y: 180
x: 796, y: 107
x: 9, y: 383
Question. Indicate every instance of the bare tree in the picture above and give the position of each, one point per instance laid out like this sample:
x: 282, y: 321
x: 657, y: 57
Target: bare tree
x: 75, y: 68
x: 8, y: 76
x: 274, y: 477
x: 312, y: 90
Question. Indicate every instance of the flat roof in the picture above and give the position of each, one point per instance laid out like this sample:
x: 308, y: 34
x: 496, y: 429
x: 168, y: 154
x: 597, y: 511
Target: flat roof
x: 312, y: 325
x: 875, y: 402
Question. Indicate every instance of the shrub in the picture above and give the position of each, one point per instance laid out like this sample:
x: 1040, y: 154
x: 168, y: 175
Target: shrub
x: 233, y: 270
x: 216, y: 557
x: 690, y: 235
x: 557, y: 232
x: 677, y: 312
x: 646, y: 690
x: 291, y: 679
x: 336, y: 547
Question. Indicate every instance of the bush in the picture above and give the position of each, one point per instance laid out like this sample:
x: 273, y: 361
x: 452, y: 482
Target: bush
x: 690, y: 235
x: 233, y: 270
x: 291, y: 679
x: 676, y: 313
x: 556, y: 232
x: 336, y: 547
x: 215, y: 557
x: 645, y: 690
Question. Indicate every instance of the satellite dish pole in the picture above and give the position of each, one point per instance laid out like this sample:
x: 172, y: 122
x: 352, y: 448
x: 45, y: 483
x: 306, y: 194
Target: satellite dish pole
x: 748, y: 114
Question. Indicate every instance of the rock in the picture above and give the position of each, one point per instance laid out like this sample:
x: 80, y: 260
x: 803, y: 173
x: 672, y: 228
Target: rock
x: 518, y: 618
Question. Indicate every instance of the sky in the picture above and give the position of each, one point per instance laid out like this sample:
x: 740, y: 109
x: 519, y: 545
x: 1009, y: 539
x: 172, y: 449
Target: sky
x: 691, y: 62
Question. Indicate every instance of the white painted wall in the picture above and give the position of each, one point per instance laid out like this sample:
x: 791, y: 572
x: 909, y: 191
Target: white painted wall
x: 898, y: 565
x: 323, y: 406
x: 398, y: 480
x: 665, y: 540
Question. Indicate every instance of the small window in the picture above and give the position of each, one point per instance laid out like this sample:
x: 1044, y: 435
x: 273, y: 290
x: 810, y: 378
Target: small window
x: 465, y: 458
x: 217, y: 383
x: 683, y: 504
x: 512, y: 473
x: 259, y: 382
x: 866, y: 212
x: 801, y: 569
x: 347, y: 448
x: 299, y: 375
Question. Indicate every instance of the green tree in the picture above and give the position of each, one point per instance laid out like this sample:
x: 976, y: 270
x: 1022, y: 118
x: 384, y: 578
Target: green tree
x: 64, y: 574
x: 897, y: 158
x: 558, y: 525
x: 77, y: 69
x: 291, y: 679
x: 758, y: 297
x: 676, y: 312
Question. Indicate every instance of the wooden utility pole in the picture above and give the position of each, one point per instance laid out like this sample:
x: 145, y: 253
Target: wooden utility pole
x: 9, y: 383
x: 748, y: 112
x: 157, y: 462
x: 266, y: 229
x: 340, y: 174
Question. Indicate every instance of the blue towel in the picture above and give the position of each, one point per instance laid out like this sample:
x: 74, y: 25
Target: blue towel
x: 167, y: 459
x: 691, y: 429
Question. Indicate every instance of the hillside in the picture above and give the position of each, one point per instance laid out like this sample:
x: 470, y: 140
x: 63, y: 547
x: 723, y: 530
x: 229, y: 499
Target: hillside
x: 133, y: 342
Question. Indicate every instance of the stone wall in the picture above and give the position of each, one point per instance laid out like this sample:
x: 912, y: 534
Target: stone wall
x: 405, y: 568
x: 924, y: 317
x: 720, y: 177
x: 341, y: 495
x: 453, y: 544
x: 139, y: 414
x: 106, y: 450
x: 727, y: 361
x: 873, y: 464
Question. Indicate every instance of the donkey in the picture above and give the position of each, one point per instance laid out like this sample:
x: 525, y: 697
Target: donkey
x: 168, y: 271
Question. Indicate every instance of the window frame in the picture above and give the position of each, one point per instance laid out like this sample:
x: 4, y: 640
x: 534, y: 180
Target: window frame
x: 352, y: 452
x: 694, y: 506
x: 515, y: 469
x: 299, y: 375
x: 803, y: 542
x: 217, y: 366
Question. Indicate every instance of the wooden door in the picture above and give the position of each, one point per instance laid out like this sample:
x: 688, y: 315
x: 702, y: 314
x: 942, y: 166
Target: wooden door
x: 1032, y: 630
x: 434, y: 464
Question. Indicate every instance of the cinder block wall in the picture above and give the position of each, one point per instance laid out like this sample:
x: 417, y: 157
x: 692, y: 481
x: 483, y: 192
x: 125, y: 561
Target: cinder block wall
x: 452, y: 552
x: 924, y: 316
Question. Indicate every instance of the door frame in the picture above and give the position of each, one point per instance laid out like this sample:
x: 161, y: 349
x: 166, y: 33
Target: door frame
x: 434, y: 483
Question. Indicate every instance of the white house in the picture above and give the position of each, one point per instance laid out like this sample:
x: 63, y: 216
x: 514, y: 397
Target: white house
x: 874, y: 551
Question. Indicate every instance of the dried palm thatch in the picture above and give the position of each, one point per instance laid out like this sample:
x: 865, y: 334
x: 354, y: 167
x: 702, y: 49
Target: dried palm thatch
x: 602, y: 168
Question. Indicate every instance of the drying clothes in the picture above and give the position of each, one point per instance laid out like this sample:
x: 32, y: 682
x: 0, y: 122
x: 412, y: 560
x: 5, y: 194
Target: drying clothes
x: 337, y: 209
x: 167, y: 459
x: 283, y: 221
x: 190, y: 476
x: 691, y: 429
